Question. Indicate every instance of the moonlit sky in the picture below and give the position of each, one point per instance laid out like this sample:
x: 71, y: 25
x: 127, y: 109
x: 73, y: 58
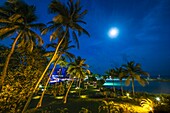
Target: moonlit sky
x: 144, y: 33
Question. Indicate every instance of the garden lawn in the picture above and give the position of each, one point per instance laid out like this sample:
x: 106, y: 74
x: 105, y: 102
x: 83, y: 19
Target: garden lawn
x: 74, y: 105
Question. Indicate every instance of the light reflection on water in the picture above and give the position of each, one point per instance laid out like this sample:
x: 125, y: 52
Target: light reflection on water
x: 152, y: 87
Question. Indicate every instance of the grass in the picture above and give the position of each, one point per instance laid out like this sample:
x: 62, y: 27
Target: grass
x: 73, y: 105
x: 93, y: 101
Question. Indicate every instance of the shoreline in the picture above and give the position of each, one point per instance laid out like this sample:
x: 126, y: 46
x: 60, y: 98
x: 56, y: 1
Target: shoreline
x: 159, y: 80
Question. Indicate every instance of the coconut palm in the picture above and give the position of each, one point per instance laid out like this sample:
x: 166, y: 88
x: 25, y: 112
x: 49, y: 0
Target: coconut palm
x: 134, y: 72
x: 60, y: 60
x: 76, y: 69
x: 68, y: 19
x: 63, y: 50
x: 17, y: 20
x: 111, y: 73
x: 121, y: 74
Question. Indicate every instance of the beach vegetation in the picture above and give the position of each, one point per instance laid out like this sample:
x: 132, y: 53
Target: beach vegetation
x: 63, y: 54
x: 77, y: 70
x: 23, y: 72
x: 134, y: 72
x: 17, y: 21
x: 66, y: 22
x: 147, y: 104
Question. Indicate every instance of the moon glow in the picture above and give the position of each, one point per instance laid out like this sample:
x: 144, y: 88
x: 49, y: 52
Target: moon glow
x: 113, y: 32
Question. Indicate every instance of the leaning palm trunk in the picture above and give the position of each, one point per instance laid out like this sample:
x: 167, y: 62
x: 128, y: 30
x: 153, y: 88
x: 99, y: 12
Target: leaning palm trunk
x: 52, y: 59
x: 42, y: 95
x: 7, y: 61
x: 65, y: 97
x: 133, y: 92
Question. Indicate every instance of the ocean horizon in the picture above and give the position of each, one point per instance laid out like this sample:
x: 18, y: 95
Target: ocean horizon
x: 156, y: 87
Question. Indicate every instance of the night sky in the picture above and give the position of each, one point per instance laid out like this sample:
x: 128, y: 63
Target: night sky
x: 144, y: 33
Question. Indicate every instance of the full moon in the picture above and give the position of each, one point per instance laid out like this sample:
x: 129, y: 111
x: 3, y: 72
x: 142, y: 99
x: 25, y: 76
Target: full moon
x: 113, y: 32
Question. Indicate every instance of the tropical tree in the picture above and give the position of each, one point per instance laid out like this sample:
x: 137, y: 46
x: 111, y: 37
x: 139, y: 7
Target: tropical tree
x: 111, y: 73
x: 3, y: 53
x: 63, y: 54
x: 68, y: 19
x: 21, y: 79
x: 134, y: 72
x: 17, y: 20
x: 76, y: 69
x: 121, y: 74
x: 92, y: 77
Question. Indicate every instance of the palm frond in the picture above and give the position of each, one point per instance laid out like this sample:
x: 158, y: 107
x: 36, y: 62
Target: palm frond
x: 56, y: 33
x: 80, y: 21
x: 82, y: 14
x: 7, y: 32
x: 37, y: 26
x: 58, y: 7
x: 127, y: 82
x: 75, y: 38
x: 36, y: 36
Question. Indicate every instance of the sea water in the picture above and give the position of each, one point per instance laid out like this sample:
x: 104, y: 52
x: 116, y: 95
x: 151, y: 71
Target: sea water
x: 157, y: 87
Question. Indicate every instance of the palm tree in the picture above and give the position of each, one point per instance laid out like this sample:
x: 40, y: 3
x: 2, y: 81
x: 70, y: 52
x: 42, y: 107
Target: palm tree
x: 60, y: 60
x: 121, y: 74
x: 111, y: 73
x: 68, y: 19
x: 134, y: 72
x: 76, y: 69
x: 17, y: 19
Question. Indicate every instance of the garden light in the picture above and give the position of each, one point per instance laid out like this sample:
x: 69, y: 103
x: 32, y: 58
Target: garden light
x: 127, y: 94
x: 72, y: 91
x: 36, y: 97
x: 83, y: 96
x: 151, y: 109
x: 40, y: 86
x: 77, y: 88
x: 59, y: 97
x: 158, y: 99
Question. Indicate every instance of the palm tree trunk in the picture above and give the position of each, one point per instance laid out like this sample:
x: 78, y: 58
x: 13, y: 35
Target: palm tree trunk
x: 79, y: 82
x: 114, y: 89
x: 56, y: 51
x: 42, y: 95
x: 7, y: 61
x: 79, y: 86
x: 65, y: 97
x: 121, y: 88
x: 133, y: 92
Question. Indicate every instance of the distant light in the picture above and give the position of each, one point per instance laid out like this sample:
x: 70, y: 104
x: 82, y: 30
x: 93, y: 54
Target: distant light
x: 36, y: 97
x: 40, y: 86
x: 158, y: 99
x: 113, y: 32
x: 72, y: 91
x: 42, y: 89
x: 59, y: 97
x: 83, y: 96
x: 151, y: 108
x: 127, y: 94
x: 77, y: 88
x: 96, y: 89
